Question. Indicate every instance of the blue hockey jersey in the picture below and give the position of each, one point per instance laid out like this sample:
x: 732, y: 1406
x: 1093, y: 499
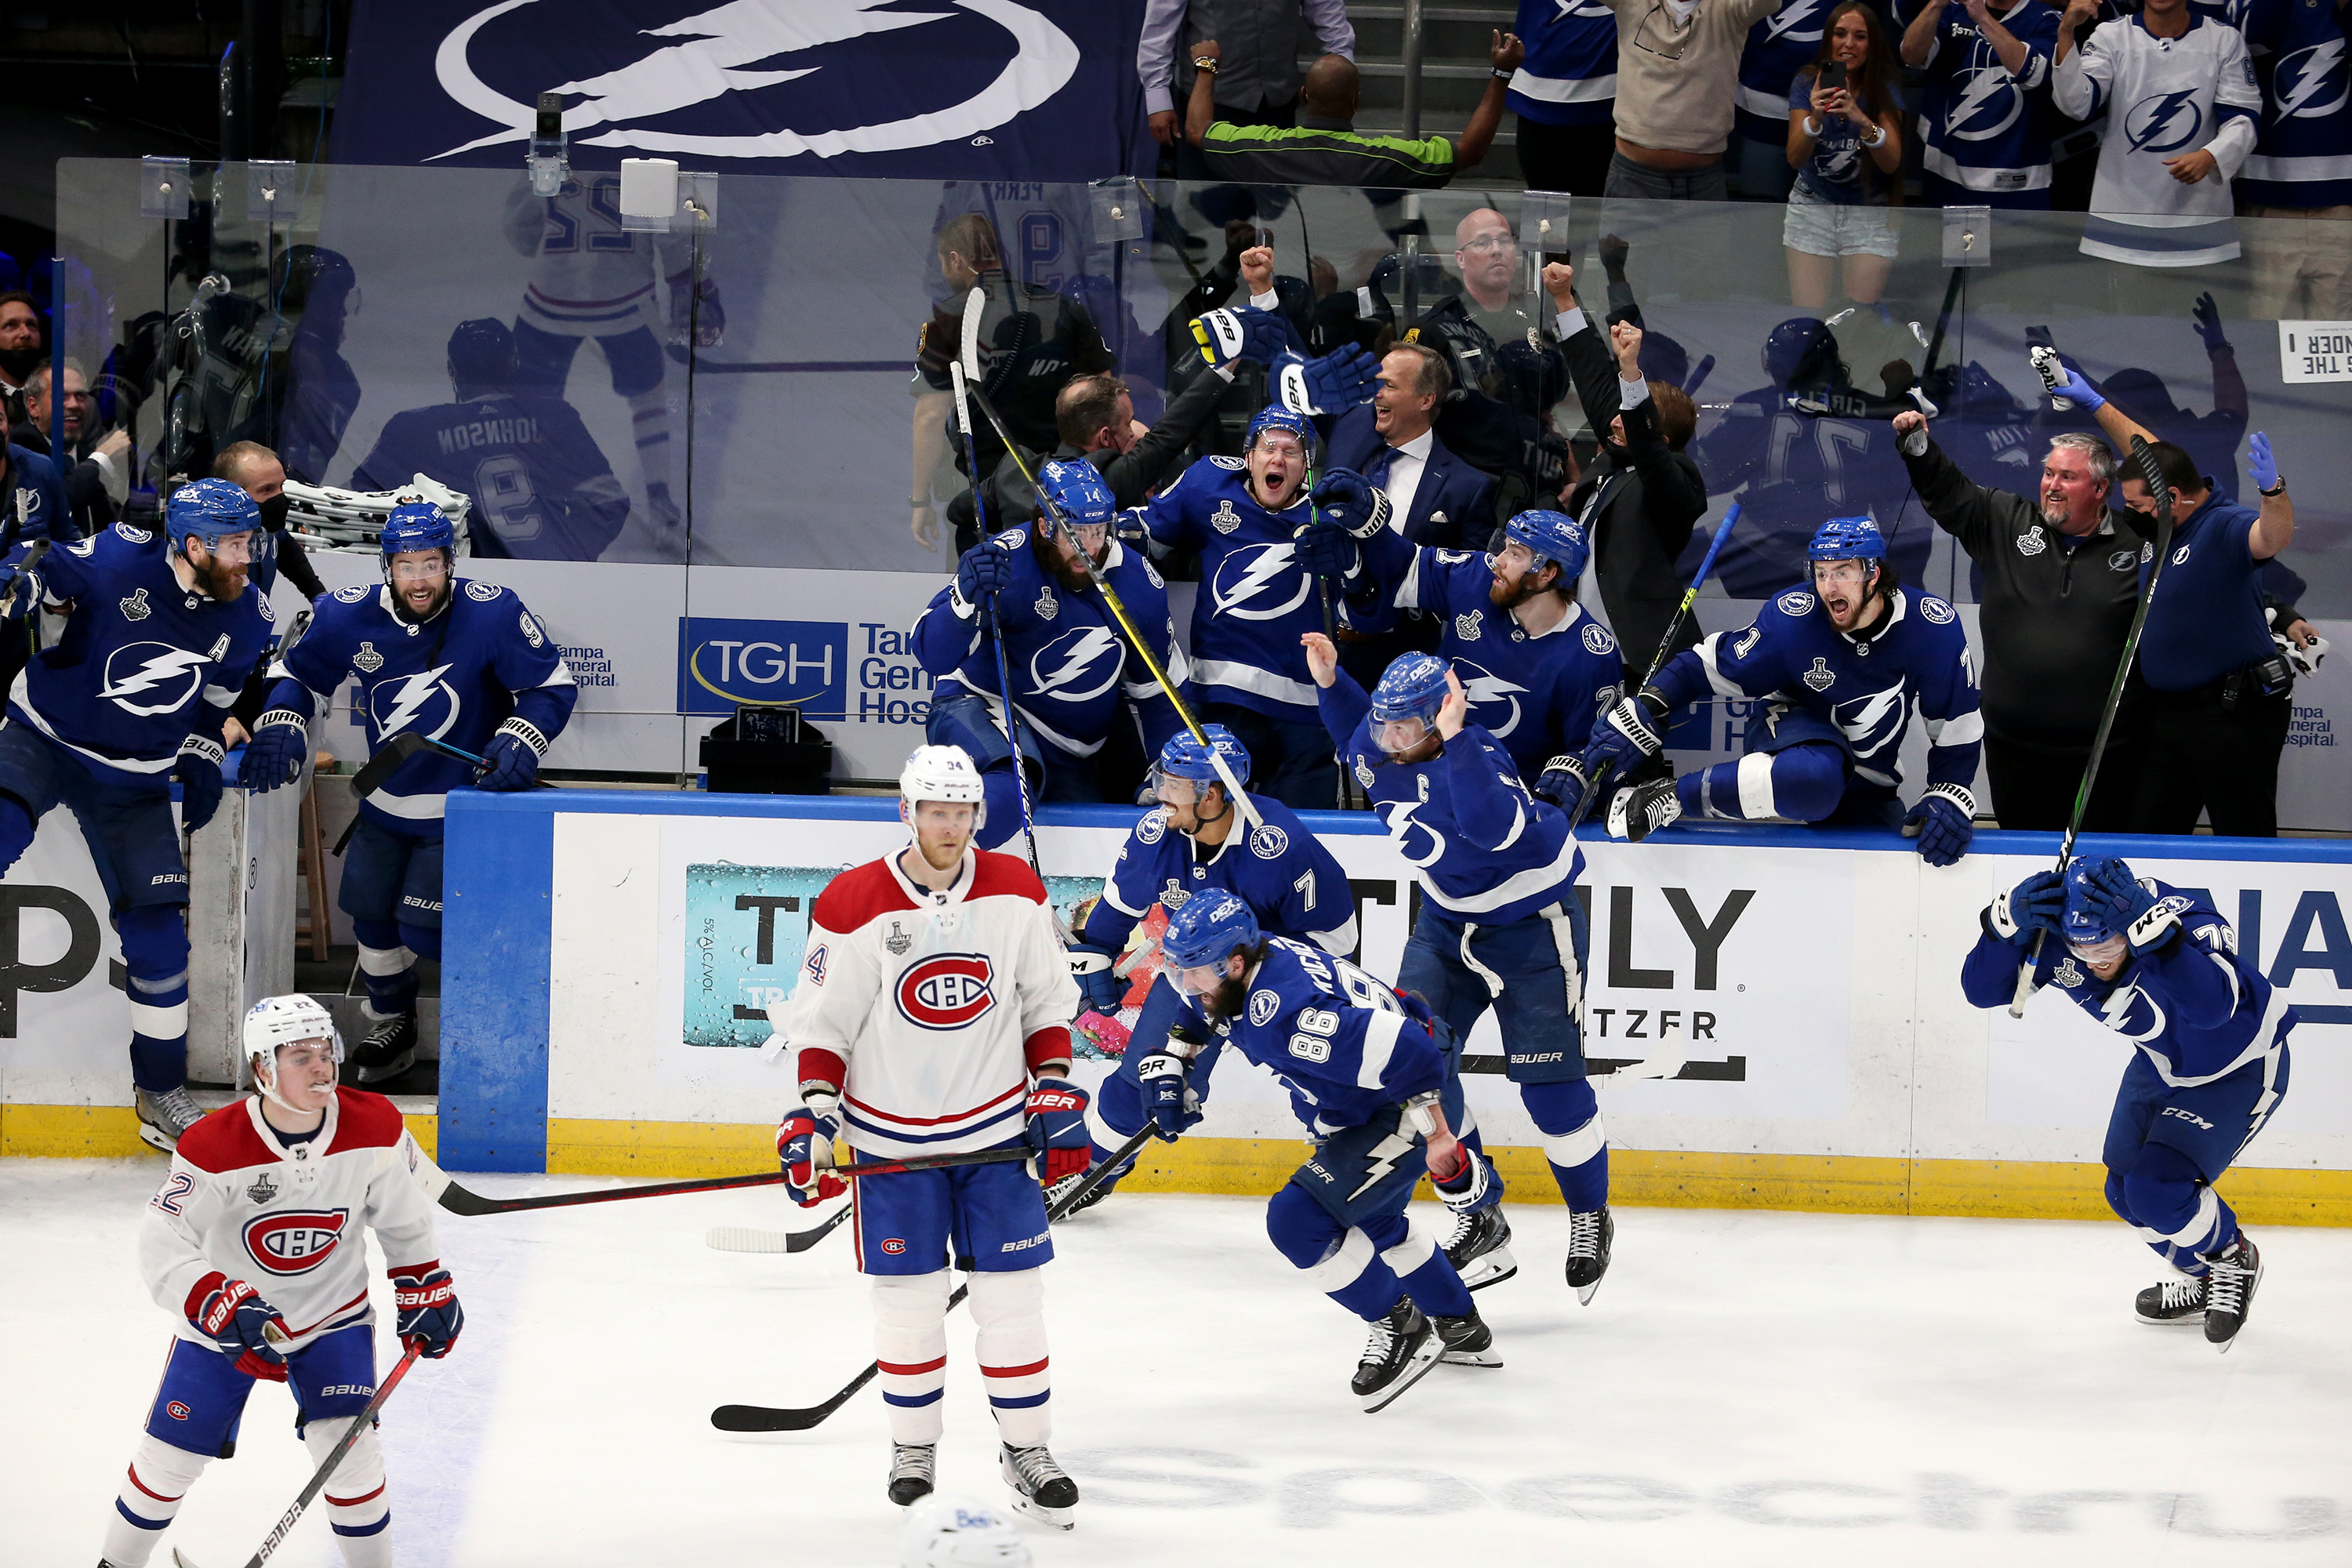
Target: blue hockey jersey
x: 1489, y: 852
x: 1863, y: 684
x: 1254, y: 600
x: 1778, y: 47
x: 2195, y: 1005
x: 540, y: 486
x: 2303, y: 156
x: 1536, y: 695
x: 1071, y: 667
x: 1792, y: 467
x: 34, y: 498
x: 1980, y: 127
x: 456, y: 677
x: 1569, y: 75
x: 1279, y: 868
x: 142, y: 663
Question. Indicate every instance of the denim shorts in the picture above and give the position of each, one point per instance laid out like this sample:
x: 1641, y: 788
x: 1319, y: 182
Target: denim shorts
x: 1816, y: 227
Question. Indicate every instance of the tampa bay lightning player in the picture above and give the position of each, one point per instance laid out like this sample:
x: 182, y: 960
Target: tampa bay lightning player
x: 2157, y: 965
x: 1364, y: 1069
x: 1841, y: 661
x: 436, y: 655
x: 1500, y: 927
x: 129, y: 699
x: 1071, y: 667
x: 1193, y: 843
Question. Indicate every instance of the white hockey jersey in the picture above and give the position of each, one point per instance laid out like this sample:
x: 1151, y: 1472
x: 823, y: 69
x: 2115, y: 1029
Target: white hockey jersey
x: 2163, y: 97
x: 589, y: 278
x: 929, y: 1011
x: 286, y: 1217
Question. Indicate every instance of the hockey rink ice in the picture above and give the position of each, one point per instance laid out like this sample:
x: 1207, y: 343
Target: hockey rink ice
x: 1747, y: 1387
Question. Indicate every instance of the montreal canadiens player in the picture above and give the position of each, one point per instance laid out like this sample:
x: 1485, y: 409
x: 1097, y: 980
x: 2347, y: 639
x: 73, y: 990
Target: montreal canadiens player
x: 932, y: 1016
x: 128, y: 699
x: 1071, y: 667
x: 253, y: 1244
x: 2157, y: 965
x: 1194, y: 843
x: 1500, y: 927
x: 436, y: 655
x: 1366, y: 1076
x: 1841, y: 661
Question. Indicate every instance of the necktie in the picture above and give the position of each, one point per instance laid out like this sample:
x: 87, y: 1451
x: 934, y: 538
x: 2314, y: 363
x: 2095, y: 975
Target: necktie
x: 1377, y: 471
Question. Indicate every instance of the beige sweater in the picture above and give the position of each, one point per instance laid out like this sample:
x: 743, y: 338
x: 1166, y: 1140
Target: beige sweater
x: 1676, y: 83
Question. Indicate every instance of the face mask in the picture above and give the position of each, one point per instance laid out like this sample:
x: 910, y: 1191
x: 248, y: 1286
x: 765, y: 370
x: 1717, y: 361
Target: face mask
x: 273, y: 512
x: 19, y: 363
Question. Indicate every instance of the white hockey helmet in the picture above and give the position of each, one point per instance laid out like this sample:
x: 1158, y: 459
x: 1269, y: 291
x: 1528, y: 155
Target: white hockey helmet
x: 276, y: 1021
x: 943, y: 773
x: 949, y: 1532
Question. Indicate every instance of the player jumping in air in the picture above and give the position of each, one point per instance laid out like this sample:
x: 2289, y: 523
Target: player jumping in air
x: 932, y: 1016
x: 2157, y: 965
x: 254, y: 1245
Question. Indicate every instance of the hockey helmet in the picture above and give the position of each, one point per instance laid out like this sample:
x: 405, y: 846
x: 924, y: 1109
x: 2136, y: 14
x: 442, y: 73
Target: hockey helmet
x: 1413, y: 688
x: 276, y: 1021
x: 417, y: 525
x: 942, y: 773
x: 1847, y: 538
x: 482, y: 354
x: 1185, y: 757
x: 2088, y: 906
x: 1552, y: 536
x: 1275, y: 417
x: 209, y: 510
x: 1075, y: 490
x: 942, y: 1531
x: 1208, y: 928
x: 1802, y: 350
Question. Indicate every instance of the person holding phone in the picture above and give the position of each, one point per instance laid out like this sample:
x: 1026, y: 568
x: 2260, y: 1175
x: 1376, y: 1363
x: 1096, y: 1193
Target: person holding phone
x: 1845, y: 142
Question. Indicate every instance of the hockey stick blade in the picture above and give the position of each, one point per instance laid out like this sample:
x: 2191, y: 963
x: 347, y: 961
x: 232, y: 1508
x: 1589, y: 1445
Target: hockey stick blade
x: 745, y: 1238
x: 386, y: 762
x: 459, y: 1200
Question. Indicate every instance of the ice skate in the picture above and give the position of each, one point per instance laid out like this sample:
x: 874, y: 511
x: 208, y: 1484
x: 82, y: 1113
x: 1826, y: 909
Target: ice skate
x: 1479, y: 1247
x: 388, y: 1050
x: 1588, y: 1236
x: 2237, y: 1268
x: 1639, y: 810
x: 1401, y: 1350
x: 1040, y: 1488
x: 163, y: 1118
x: 1067, y: 1185
x: 2178, y: 1300
x: 1467, y: 1341
x: 914, y: 1467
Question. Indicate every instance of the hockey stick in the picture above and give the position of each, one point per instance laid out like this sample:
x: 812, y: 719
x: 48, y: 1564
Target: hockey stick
x: 396, y: 750
x: 770, y: 1418
x: 1665, y: 643
x: 1110, y: 598
x: 744, y: 1238
x: 277, y: 1537
x: 458, y: 1200
x: 1347, y: 800
x: 2144, y: 462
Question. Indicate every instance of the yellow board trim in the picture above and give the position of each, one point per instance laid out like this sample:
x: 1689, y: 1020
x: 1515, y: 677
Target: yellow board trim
x: 111, y: 1133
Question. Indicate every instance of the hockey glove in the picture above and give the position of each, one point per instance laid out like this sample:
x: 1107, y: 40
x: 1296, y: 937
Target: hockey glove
x: 198, y: 769
x: 1325, y: 549
x: 280, y: 745
x: 513, y: 764
x: 425, y: 1300
x: 2147, y: 922
x: 1943, y: 821
x: 2037, y: 903
x: 235, y: 1317
x: 1563, y: 780
x: 1090, y: 966
x: 1623, y: 737
x: 1332, y: 384
x: 1057, y: 1130
x: 705, y: 319
x: 1243, y: 332
x: 19, y: 591
x: 805, y: 1148
x: 1346, y: 498
x: 983, y: 570
x: 2260, y: 463
x: 1168, y: 1098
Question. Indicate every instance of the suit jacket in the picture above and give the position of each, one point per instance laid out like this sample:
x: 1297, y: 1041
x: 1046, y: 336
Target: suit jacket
x: 1454, y: 506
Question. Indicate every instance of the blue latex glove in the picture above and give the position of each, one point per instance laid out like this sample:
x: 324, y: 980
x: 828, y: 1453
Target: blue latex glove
x: 2208, y: 316
x: 809, y: 1182
x: 425, y: 1300
x: 1243, y: 332
x: 512, y: 764
x: 1325, y: 549
x: 2147, y: 922
x: 1622, y: 738
x: 1090, y: 966
x: 2260, y: 463
x: 198, y: 769
x: 1168, y: 1101
x: 1336, y: 381
x: 985, y: 568
x: 1345, y: 498
x: 274, y: 756
x: 233, y: 1315
x: 2075, y: 387
x: 2036, y: 904
x: 1563, y: 780
x: 1057, y: 1129
x: 1942, y: 827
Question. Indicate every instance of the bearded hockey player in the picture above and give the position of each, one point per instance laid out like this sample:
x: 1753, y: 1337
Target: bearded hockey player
x: 436, y: 655
x: 2157, y: 965
x: 971, y: 1050
x: 128, y: 700
x: 1841, y: 663
x: 254, y: 1245
x: 1194, y: 843
x: 1366, y: 1076
x: 1500, y: 926
x: 1071, y: 667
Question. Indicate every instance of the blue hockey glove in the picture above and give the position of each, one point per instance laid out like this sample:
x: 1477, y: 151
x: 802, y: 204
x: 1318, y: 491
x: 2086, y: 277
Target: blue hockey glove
x: 280, y: 745
x: 2208, y: 316
x: 1168, y: 1098
x: 1090, y: 966
x: 1622, y: 738
x: 2034, y: 904
x: 513, y: 764
x: 805, y: 1149
x: 1057, y: 1129
x: 985, y: 569
x: 2260, y: 463
x: 2147, y: 922
x: 1336, y: 381
x: 1324, y: 550
x: 1345, y: 497
x: 1563, y: 780
x: 19, y: 590
x: 1943, y: 822
x: 2079, y: 390
x: 198, y: 769
x: 425, y: 1300
x: 1243, y: 332
x: 234, y: 1316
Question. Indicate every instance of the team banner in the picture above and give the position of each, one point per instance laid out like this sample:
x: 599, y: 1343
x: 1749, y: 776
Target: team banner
x: 1033, y: 90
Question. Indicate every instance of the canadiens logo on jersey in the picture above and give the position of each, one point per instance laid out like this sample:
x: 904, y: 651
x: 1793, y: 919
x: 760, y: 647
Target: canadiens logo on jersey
x: 151, y: 677
x: 295, y: 1242
x: 947, y: 991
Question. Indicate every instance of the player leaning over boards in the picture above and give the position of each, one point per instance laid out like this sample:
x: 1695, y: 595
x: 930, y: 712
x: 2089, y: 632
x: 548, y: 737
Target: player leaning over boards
x: 128, y: 698
x: 932, y: 1016
x: 253, y: 1244
x: 436, y: 654
x: 2161, y: 968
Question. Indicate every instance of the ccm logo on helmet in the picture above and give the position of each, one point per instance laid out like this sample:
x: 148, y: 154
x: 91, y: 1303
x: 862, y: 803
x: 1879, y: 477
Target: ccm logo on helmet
x: 295, y: 1243
x: 947, y: 991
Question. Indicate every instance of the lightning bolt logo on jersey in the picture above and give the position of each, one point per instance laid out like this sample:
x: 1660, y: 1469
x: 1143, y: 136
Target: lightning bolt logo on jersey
x: 1978, y: 130
x: 1254, y: 600
x: 1778, y: 47
x: 2304, y: 156
x: 122, y: 693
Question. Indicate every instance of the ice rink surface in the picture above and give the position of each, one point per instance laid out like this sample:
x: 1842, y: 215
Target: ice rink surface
x: 1747, y: 1387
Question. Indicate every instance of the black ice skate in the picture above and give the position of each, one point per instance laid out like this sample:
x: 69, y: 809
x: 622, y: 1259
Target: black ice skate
x: 1467, y: 1341
x: 1480, y: 1249
x: 389, y: 1050
x: 1588, y: 1236
x: 1055, y: 1193
x: 1399, y: 1352
x: 1640, y: 810
x: 163, y: 1118
x: 2237, y: 1268
x: 1040, y: 1488
x: 913, y: 1469
x: 2179, y: 1299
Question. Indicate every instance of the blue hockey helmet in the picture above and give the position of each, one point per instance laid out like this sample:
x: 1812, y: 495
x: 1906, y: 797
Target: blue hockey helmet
x: 1411, y: 689
x: 1184, y: 757
x: 1847, y: 538
x: 209, y: 510
x: 1275, y: 417
x: 417, y: 525
x: 2088, y: 907
x: 1077, y: 492
x: 482, y: 353
x: 1207, y: 929
x: 1552, y: 536
x: 1802, y: 350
